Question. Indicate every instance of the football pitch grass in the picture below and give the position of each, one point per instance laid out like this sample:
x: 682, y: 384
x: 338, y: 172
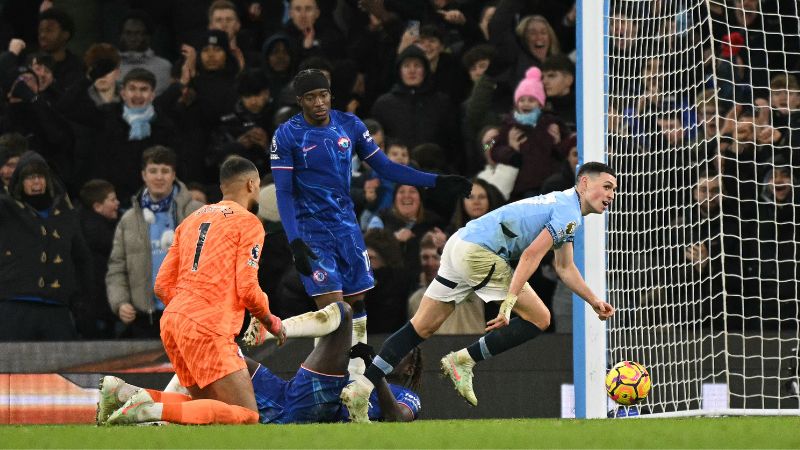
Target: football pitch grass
x: 730, y: 432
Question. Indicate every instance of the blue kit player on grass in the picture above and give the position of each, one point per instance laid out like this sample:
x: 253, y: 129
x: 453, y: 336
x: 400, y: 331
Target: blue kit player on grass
x: 478, y: 258
x: 311, y: 155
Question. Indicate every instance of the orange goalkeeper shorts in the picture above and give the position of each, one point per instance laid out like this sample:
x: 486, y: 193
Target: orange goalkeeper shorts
x: 199, y: 356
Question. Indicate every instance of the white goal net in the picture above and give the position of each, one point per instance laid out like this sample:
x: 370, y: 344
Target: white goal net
x: 703, y: 127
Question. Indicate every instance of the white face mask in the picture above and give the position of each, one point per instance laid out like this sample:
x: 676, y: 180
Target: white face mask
x: 529, y: 118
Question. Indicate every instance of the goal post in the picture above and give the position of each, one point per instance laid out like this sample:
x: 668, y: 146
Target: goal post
x: 696, y: 105
x: 589, y: 334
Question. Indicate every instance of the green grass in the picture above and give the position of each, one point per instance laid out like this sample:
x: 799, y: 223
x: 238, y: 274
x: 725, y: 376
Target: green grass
x: 735, y: 432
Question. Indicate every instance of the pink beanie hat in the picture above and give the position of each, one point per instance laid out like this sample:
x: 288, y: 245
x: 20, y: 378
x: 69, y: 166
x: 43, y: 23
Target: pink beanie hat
x: 531, y: 85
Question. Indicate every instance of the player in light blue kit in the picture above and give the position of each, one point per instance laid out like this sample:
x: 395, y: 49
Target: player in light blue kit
x: 311, y: 157
x: 477, y: 258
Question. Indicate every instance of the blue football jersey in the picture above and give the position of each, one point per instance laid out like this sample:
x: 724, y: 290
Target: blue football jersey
x: 321, y: 159
x: 510, y: 229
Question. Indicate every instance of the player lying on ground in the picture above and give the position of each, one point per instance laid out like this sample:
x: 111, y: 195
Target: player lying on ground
x: 477, y: 258
x: 311, y: 396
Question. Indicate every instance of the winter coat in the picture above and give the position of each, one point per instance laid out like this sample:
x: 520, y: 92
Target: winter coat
x: 130, y: 274
x: 42, y: 257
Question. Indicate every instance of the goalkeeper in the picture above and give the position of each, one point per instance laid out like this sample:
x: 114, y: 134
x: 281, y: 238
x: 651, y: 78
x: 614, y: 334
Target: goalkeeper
x: 477, y: 258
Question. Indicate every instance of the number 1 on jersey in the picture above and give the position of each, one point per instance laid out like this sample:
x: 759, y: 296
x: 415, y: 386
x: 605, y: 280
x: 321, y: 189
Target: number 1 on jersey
x: 201, y: 241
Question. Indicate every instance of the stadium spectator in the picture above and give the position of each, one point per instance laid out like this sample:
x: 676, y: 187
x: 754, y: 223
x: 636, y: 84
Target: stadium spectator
x: 447, y: 75
x: 42, y: 65
x: 215, y: 79
x: 223, y: 16
x: 379, y: 191
x: 501, y: 176
x: 386, y: 302
x: 248, y: 129
x: 56, y: 28
x: 99, y: 215
x: 483, y: 199
x: 280, y: 59
x: 779, y: 238
x: 311, y: 32
x: 408, y: 220
x: 9, y: 158
x: 135, y: 49
x: 45, y: 265
x: 35, y: 118
x: 414, y: 112
x: 558, y: 78
x: 520, y: 46
x: 123, y: 130
x: 468, y: 316
x: 530, y: 138
x: 141, y: 241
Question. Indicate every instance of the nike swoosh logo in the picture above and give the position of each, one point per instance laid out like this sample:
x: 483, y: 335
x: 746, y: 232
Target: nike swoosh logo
x: 309, y: 148
x: 455, y: 371
x: 125, y: 411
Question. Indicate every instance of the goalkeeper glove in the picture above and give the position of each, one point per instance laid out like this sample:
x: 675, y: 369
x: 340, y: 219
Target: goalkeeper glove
x: 302, y: 255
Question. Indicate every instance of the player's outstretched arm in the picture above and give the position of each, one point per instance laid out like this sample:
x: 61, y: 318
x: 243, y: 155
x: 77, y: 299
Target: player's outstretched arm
x: 251, y: 240
x: 528, y: 263
x: 571, y: 276
x: 167, y: 278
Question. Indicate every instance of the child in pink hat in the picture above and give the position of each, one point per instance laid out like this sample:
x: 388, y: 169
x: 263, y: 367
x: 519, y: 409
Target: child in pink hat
x: 529, y: 138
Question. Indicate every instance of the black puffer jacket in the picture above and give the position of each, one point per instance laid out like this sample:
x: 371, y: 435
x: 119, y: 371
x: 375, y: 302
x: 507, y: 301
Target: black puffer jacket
x: 419, y: 115
x: 41, y: 257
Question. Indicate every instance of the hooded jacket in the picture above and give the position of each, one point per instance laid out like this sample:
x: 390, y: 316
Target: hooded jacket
x: 417, y: 115
x: 43, y: 257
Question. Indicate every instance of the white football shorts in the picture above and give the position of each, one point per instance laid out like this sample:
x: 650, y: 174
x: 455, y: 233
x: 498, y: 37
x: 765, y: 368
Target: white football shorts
x: 466, y: 267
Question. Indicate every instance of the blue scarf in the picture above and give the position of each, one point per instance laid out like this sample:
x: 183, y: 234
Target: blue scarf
x: 139, y: 120
x: 157, y: 206
x: 529, y: 118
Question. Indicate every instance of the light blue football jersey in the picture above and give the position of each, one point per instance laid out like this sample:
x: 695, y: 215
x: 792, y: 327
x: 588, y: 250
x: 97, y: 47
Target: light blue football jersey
x: 510, y: 229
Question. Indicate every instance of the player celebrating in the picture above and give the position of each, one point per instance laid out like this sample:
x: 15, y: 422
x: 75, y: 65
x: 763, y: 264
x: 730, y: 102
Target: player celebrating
x: 477, y: 257
x: 311, y: 156
x: 207, y: 280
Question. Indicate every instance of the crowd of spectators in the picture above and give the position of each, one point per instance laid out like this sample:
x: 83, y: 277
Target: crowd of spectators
x: 115, y: 116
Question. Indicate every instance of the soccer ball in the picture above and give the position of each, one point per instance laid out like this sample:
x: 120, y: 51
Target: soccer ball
x: 628, y: 383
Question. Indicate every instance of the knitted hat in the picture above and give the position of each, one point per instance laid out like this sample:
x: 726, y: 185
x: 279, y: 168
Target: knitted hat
x: 531, y: 85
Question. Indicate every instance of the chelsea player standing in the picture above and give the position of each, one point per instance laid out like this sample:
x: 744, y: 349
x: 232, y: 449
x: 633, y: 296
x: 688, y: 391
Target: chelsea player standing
x: 477, y: 258
x: 311, y: 156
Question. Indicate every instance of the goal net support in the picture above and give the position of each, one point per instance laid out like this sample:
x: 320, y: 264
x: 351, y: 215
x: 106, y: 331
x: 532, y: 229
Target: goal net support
x: 701, y: 109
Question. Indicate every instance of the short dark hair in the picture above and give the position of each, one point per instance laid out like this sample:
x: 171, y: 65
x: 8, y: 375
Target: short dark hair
x: 222, y: 5
x: 159, y: 154
x: 595, y: 168
x: 235, y: 166
x: 373, y: 126
x: 14, y: 141
x: 477, y: 53
x: 251, y: 82
x: 64, y: 20
x: 430, y: 30
x: 95, y: 191
x: 139, y: 74
x: 559, y: 63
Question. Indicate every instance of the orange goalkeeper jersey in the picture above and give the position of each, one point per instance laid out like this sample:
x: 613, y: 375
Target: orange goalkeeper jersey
x: 210, y: 273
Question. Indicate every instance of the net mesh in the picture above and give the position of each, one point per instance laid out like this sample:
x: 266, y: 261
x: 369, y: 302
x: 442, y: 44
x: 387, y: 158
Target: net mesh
x: 702, y: 123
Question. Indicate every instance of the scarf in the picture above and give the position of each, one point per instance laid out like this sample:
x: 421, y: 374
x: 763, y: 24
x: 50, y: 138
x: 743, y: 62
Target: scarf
x: 157, y: 206
x: 139, y: 120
